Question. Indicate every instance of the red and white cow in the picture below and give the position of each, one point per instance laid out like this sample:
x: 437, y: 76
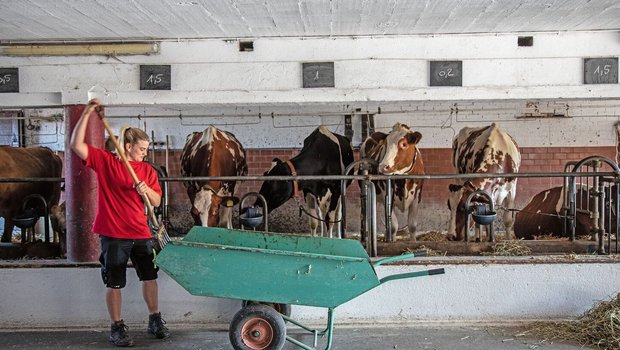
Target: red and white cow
x: 26, y: 163
x: 544, y: 214
x: 398, y: 154
x: 477, y: 151
x: 213, y: 152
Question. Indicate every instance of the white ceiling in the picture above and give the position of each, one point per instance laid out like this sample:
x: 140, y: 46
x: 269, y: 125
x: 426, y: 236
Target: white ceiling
x: 92, y: 20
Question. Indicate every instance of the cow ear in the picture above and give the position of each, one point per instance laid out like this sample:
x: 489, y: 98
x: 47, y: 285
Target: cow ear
x: 454, y: 188
x: 414, y: 137
x: 275, y: 162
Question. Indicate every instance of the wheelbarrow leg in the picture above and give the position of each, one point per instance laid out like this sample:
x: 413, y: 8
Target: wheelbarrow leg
x: 328, y: 330
x: 330, y: 327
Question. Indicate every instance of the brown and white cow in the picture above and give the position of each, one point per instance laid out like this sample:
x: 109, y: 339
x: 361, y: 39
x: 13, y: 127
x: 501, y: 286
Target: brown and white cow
x: 213, y: 152
x: 323, y: 153
x: 27, y: 163
x: 478, y: 151
x: 544, y: 215
x: 398, y: 154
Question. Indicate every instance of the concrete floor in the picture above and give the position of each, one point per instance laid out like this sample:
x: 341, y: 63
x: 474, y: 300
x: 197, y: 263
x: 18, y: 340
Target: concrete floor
x: 348, y: 337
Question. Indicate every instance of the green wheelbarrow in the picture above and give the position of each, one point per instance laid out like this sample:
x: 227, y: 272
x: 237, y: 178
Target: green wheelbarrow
x: 276, y: 269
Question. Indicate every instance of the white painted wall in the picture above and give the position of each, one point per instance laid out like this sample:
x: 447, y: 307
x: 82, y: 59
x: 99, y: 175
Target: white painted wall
x: 484, y: 292
x: 212, y: 78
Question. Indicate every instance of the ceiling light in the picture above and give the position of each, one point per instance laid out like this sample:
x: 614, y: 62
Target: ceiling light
x: 81, y: 49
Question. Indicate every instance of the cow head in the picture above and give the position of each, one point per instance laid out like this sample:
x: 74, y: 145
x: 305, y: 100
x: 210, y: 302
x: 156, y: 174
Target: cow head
x: 206, y: 207
x: 456, y: 204
x: 277, y: 193
x: 401, y: 150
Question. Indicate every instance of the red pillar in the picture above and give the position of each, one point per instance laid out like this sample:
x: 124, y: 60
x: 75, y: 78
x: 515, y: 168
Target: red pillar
x: 81, y: 191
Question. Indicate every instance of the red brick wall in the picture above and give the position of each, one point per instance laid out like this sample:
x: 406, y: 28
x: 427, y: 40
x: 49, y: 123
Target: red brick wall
x: 533, y: 160
x: 436, y: 161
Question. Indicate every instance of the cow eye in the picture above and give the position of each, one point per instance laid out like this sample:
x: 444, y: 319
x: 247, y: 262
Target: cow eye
x: 403, y: 144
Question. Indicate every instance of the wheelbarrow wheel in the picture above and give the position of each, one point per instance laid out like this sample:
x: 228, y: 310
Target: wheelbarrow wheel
x: 257, y: 327
x: 284, y: 309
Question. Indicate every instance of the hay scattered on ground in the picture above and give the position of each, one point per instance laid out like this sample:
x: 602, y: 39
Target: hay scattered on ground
x: 509, y: 248
x: 432, y: 236
x: 599, y: 327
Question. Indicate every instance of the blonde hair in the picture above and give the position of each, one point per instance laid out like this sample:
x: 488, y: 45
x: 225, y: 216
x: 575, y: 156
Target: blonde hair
x: 133, y: 135
x: 127, y: 135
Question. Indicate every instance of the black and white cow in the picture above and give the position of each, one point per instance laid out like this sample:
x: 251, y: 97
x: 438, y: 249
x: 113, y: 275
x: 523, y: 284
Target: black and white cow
x: 323, y: 153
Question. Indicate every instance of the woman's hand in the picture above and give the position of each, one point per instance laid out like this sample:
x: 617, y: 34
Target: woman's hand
x: 142, y: 188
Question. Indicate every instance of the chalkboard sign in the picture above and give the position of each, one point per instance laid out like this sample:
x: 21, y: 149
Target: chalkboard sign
x: 9, y: 80
x: 446, y: 73
x: 318, y: 74
x: 155, y: 77
x: 600, y: 70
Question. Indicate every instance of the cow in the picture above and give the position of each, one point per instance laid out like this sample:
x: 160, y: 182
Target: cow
x: 212, y: 152
x: 397, y: 153
x: 323, y: 153
x: 30, y: 162
x: 478, y: 151
x: 544, y: 214
x: 58, y: 219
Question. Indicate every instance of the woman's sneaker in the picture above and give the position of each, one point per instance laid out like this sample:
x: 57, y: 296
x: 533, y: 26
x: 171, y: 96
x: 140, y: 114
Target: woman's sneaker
x: 157, y: 326
x: 119, y: 335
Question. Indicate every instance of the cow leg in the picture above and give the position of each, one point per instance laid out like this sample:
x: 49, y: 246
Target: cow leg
x: 7, y: 235
x: 226, y: 217
x: 335, y: 217
x: 311, y: 203
x: 393, y: 223
x: 412, y: 219
x: 509, y: 203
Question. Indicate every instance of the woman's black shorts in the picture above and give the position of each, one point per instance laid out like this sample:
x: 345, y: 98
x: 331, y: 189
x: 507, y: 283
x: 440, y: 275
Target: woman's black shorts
x: 116, y: 252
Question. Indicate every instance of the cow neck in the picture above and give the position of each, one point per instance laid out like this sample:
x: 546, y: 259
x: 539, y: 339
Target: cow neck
x: 294, y: 173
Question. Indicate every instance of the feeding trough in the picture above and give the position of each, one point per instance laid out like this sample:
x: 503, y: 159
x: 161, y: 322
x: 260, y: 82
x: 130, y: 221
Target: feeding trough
x: 25, y: 222
x: 252, y: 217
x: 483, y: 215
x: 26, y: 219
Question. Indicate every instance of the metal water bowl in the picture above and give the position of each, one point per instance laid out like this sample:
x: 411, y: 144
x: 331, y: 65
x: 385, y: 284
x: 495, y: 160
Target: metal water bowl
x: 25, y: 222
x: 251, y: 217
x: 482, y: 215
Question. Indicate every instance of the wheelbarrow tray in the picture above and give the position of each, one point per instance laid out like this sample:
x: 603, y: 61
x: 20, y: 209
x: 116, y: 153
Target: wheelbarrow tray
x: 275, y: 268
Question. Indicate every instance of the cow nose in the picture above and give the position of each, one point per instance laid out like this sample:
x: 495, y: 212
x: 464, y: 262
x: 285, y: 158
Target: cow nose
x: 385, y: 168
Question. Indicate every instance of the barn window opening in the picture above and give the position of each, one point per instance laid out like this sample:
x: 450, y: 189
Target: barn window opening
x: 525, y: 41
x: 246, y: 46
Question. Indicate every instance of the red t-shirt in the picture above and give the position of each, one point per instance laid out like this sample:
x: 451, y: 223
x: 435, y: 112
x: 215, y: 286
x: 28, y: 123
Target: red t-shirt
x: 120, y: 210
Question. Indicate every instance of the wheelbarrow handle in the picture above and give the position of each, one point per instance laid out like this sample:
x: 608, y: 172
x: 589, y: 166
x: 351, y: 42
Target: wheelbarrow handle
x: 412, y: 274
x: 399, y: 257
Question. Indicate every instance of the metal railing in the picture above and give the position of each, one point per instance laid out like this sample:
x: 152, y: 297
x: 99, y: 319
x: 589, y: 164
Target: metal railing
x: 603, y: 194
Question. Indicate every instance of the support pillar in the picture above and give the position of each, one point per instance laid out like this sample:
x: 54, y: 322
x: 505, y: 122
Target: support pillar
x: 81, y: 191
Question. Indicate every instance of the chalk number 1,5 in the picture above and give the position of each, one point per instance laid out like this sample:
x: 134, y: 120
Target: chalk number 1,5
x: 5, y: 79
x: 154, y: 79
